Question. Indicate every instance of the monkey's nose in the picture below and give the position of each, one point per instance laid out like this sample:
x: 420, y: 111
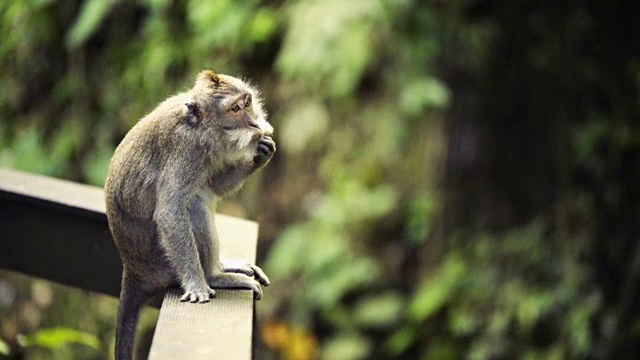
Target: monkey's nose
x: 253, y: 124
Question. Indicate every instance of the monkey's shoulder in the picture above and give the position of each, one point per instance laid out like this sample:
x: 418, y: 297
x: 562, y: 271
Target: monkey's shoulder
x: 170, y: 111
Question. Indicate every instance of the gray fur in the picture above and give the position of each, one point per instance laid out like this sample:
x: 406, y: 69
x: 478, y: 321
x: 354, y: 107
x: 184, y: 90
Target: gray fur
x: 191, y: 150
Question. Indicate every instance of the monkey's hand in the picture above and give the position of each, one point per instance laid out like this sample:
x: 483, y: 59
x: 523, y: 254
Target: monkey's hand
x: 235, y: 281
x: 264, y: 152
x: 241, y: 267
x: 194, y: 293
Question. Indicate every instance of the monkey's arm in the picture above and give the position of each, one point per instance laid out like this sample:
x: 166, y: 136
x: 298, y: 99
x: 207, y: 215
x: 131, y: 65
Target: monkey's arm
x: 176, y: 236
x: 230, y: 180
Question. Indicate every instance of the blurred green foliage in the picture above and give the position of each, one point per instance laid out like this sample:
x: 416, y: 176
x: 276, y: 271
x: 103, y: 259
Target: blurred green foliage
x: 4, y: 348
x: 385, y: 114
x: 504, y: 294
x: 55, y: 338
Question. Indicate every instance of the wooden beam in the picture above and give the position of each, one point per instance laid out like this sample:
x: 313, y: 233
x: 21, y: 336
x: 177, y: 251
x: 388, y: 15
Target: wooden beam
x: 57, y: 230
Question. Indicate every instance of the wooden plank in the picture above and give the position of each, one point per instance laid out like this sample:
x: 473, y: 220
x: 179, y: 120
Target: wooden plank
x: 62, y: 192
x: 220, y: 329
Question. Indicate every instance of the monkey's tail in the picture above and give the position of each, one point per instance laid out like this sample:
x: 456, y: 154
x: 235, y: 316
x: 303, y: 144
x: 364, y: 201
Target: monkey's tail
x: 131, y: 301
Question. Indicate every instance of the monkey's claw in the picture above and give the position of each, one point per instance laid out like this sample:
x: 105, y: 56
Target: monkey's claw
x: 201, y: 295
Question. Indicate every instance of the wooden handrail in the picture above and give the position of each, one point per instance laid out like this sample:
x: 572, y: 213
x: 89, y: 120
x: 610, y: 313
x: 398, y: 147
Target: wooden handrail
x: 57, y: 230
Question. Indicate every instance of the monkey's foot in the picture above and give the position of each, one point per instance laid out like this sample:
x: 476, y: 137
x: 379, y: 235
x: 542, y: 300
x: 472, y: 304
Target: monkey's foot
x: 241, y: 267
x: 235, y: 281
x: 195, y: 293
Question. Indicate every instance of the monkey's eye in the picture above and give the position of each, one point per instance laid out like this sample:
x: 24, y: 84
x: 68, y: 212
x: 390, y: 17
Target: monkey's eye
x: 235, y: 108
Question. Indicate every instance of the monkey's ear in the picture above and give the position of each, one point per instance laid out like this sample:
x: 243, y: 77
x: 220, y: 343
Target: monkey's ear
x: 208, y: 78
x: 193, y: 112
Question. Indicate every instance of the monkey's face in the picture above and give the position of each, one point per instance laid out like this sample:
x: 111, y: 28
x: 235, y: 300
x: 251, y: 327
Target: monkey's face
x: 240, y: 112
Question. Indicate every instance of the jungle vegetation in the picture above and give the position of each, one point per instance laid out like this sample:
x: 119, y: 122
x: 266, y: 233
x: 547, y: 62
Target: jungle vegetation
x: 454, y: 180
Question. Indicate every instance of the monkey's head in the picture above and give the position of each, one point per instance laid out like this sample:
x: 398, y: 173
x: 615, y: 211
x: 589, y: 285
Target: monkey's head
x: 234, y: 106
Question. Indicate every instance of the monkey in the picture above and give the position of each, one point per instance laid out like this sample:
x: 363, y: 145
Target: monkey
x: 193, y: 149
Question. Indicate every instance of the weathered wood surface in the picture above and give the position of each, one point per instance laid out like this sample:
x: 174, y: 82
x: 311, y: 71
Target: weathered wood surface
x: 57, y: 230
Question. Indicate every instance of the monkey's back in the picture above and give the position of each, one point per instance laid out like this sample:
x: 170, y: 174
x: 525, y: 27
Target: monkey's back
x: 131, y: 188
x: 137, y: 162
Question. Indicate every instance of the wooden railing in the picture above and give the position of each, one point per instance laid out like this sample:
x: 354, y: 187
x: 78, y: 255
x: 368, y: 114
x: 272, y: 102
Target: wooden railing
x: 57, y: 230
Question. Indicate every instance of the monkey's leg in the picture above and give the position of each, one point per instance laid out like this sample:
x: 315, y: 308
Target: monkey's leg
x: 176, y: 236
x: 204, y: 234
x: 131, y: 300
x: 235, y: 281
x: 206, y: 238
x: 242, y: 267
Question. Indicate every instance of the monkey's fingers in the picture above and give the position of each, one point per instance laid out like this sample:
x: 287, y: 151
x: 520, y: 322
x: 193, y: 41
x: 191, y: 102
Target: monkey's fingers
x: 235, y: 281
x: 266, y: 146
x: 198, y: 296
x: 190, y: 297
x: 260, y: 275
x: 238, y: 268
x: 251, y: 270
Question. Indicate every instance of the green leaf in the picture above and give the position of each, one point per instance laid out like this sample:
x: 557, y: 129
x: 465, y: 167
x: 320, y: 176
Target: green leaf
x: 402, y: 340
x: 579, y: 324
x: 329, y: 248
x: 462, y: 321
x: 4, y: 348
x: 90, y: 18
x: 263, y: 25
x: 437, y: 291
x: 532, y: 307
x: 424, y: 93
x: 347, y: 347
x: 422, y: 211
x: 287, y: 255
x: 356, y: 49
x: 347, y: 274
x: 57, y: 337
x: 379, y: 311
